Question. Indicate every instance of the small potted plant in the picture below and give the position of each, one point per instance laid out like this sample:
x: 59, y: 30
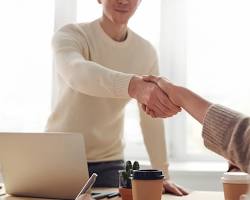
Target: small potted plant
x: 125, y: 186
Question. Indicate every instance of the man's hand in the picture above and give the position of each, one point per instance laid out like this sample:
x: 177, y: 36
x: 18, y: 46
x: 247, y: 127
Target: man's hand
x: 166, y: 86
x: 170, y: 187
x: 149, y: 94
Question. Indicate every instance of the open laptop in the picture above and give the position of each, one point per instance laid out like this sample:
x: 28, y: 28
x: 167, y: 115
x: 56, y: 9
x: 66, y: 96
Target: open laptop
x: 48, y: 165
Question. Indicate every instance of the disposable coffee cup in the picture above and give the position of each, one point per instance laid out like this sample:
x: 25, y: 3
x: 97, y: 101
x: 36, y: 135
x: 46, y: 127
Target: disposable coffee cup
x: 235, y: 184
x: 147, y: 185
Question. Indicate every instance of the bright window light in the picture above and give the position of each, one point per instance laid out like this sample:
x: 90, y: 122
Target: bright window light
x: 218, y: 57
x: 25, y: 64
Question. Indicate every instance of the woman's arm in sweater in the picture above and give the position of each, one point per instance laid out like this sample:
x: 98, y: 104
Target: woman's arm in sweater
x: 225, y: 131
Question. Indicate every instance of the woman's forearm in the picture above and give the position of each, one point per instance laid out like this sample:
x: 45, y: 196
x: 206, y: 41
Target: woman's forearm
x: 195, y: 105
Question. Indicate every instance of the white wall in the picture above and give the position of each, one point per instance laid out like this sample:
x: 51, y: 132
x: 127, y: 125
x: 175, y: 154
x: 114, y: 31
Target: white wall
x: 202, y: 176
x: 194, y: 180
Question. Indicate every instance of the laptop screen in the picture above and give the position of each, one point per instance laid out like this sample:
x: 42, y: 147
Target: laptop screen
x: 48, y: 165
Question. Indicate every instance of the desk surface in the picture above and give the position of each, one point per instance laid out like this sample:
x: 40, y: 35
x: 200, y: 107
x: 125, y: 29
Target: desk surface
x: 195, y: 195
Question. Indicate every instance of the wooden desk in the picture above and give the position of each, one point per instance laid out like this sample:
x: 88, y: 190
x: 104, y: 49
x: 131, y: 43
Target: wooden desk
x: 196, y: 195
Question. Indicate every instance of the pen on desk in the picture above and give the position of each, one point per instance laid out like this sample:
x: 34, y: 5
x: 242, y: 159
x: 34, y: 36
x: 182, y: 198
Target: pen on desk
x: 100, y: 196
x: 88, y: 185
x: 112, y: 195
x: 105, y: 195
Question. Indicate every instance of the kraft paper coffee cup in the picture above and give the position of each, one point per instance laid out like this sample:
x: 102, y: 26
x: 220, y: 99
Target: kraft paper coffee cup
x: 147, y: 185
x: 235, y: 184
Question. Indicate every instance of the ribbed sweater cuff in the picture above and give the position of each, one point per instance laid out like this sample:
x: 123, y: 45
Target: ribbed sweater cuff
x: 218, y: 124
x: 121, y: 84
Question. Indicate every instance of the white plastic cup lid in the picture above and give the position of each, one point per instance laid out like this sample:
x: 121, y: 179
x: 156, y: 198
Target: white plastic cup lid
x: 245, y: 197
x: 236, y: 177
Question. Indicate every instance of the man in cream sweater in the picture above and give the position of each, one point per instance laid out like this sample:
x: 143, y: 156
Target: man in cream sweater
x: 98, y: 67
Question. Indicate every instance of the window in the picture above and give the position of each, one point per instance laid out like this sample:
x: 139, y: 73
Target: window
x: 25, y: 64
x: 218, y: 64
x: 206, y: 43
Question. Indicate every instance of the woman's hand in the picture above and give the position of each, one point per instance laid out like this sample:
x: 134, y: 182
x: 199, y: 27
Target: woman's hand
x: 166, y: 87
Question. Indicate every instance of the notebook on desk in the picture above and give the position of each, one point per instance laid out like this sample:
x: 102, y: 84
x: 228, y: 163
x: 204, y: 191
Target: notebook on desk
x: 48, y: 165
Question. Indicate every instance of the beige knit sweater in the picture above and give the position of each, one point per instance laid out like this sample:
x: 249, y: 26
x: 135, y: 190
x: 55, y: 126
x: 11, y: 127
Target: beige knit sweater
x: 92, y: 77
x: 227, y: 133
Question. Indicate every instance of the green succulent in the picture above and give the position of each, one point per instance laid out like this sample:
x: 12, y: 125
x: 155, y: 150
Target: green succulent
x: 128, y: 173
x: 136, y: 165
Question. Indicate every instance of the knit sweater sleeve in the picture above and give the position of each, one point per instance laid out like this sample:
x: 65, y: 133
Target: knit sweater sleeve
x: 227, y: 133
x: 83, y: 75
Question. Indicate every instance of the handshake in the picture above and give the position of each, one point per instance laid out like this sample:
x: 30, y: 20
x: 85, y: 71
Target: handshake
x: 157, y: 96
